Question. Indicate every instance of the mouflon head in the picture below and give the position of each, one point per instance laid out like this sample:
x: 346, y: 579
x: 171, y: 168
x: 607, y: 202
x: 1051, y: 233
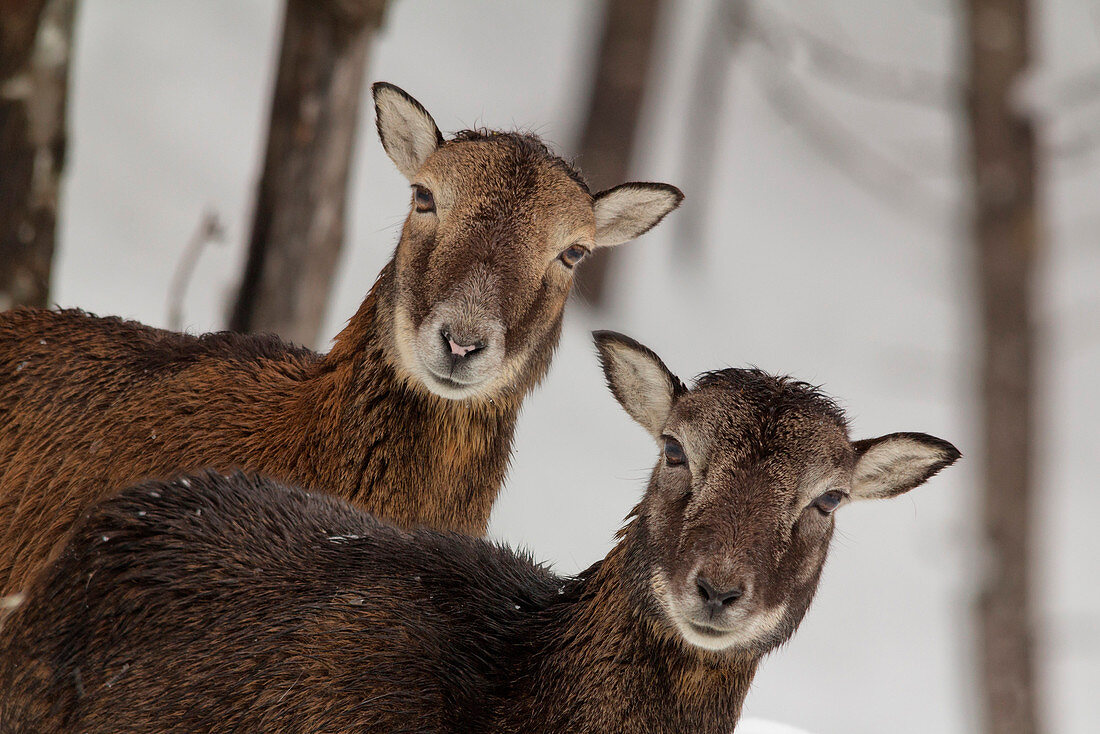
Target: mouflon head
x: 497, y: 227
x: 740, y: 507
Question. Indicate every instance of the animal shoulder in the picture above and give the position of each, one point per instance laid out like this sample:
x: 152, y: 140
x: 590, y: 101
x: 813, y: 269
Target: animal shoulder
x: 139, y: 347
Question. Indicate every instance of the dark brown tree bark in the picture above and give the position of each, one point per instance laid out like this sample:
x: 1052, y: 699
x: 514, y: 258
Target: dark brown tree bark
x: 298, y: 225
x: 1007, y: 236
x: 35, y: 46
x: 622, y: 68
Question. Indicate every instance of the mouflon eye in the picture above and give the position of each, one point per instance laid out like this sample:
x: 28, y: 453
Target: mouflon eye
x: 423, y: 200
x: 829, y: 501
x: 674, y: 452
x: 573, y: 255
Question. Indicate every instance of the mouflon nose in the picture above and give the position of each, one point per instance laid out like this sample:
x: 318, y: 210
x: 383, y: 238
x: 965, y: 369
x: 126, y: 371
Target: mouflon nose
x: 458, y: 349
x: 715, y: 599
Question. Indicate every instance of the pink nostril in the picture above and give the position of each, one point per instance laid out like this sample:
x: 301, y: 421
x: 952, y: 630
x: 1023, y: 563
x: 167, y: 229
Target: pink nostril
x: 460, y: 351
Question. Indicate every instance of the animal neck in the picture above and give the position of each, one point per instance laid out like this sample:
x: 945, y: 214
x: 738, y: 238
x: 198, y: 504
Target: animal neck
x: 403, y: 452
x: 620, y: 667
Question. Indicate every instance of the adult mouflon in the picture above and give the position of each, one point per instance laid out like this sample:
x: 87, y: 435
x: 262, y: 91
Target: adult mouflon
x: 411, y: 414
x: 236, y: 603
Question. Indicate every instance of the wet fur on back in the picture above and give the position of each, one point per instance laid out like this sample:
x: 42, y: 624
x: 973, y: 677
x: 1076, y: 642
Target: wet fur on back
x: 229, y: 602
x: 259, y: 607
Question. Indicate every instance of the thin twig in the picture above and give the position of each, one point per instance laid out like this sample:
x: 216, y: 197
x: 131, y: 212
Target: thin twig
x: 210, y: 230
x: 1075, y: 147
x: 1075, y: 90
x: 874, y: 170
x: 877, y: 80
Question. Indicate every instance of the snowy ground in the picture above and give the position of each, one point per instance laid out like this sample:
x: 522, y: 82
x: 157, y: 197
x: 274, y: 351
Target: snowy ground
x: 804, y: 273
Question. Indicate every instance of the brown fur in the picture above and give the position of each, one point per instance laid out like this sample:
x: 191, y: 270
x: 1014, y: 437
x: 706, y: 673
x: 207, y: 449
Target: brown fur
x: 234, y: 603
x: 88, y: 405
x: 99, y: 403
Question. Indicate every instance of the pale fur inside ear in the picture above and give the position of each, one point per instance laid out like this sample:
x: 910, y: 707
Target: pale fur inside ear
x: 408, y: 132
x: 896, y: 463
x: 630, y: 210
x: 639, y: 380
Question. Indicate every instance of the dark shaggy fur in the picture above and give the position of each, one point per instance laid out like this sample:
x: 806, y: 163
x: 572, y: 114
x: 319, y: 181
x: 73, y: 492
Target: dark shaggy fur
x: 779, y: 392
x: 237, y: 604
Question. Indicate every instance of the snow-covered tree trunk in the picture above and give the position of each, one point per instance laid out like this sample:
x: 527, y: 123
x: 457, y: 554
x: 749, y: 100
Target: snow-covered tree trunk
x: 1007, y: 238
x: 35, y: 47
x: 298, y: 224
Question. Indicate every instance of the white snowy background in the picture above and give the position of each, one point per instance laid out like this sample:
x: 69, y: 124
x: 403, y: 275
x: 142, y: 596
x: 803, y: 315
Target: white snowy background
x: 805, y: 272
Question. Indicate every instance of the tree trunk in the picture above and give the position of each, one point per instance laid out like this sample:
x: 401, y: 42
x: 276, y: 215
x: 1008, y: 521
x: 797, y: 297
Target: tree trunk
x: 1006, y: 234
x: 722, y: 38
x: 35, y: 46
x: 298, y: 225
x: 613, y: 109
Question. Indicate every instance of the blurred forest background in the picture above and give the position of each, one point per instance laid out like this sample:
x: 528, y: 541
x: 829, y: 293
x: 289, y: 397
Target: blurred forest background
x: 894, y: 200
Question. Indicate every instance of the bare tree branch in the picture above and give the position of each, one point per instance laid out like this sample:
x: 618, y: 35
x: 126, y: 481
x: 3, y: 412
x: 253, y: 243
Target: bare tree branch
x: 209, y: 230
x: 803, y: 49
x: 1075, y: 90
x: 1074, y: 147
x: 881, y: 175
x: 787, y: 50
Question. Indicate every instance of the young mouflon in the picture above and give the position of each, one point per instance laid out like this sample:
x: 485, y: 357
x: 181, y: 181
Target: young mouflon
x: 410, y: 415
x: 238, y: 603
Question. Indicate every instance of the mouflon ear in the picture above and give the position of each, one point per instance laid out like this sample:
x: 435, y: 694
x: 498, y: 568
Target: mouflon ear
x: 632, y: 209
x: 893, y: 464
x: 639, y: 380
x: 408, y: 132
